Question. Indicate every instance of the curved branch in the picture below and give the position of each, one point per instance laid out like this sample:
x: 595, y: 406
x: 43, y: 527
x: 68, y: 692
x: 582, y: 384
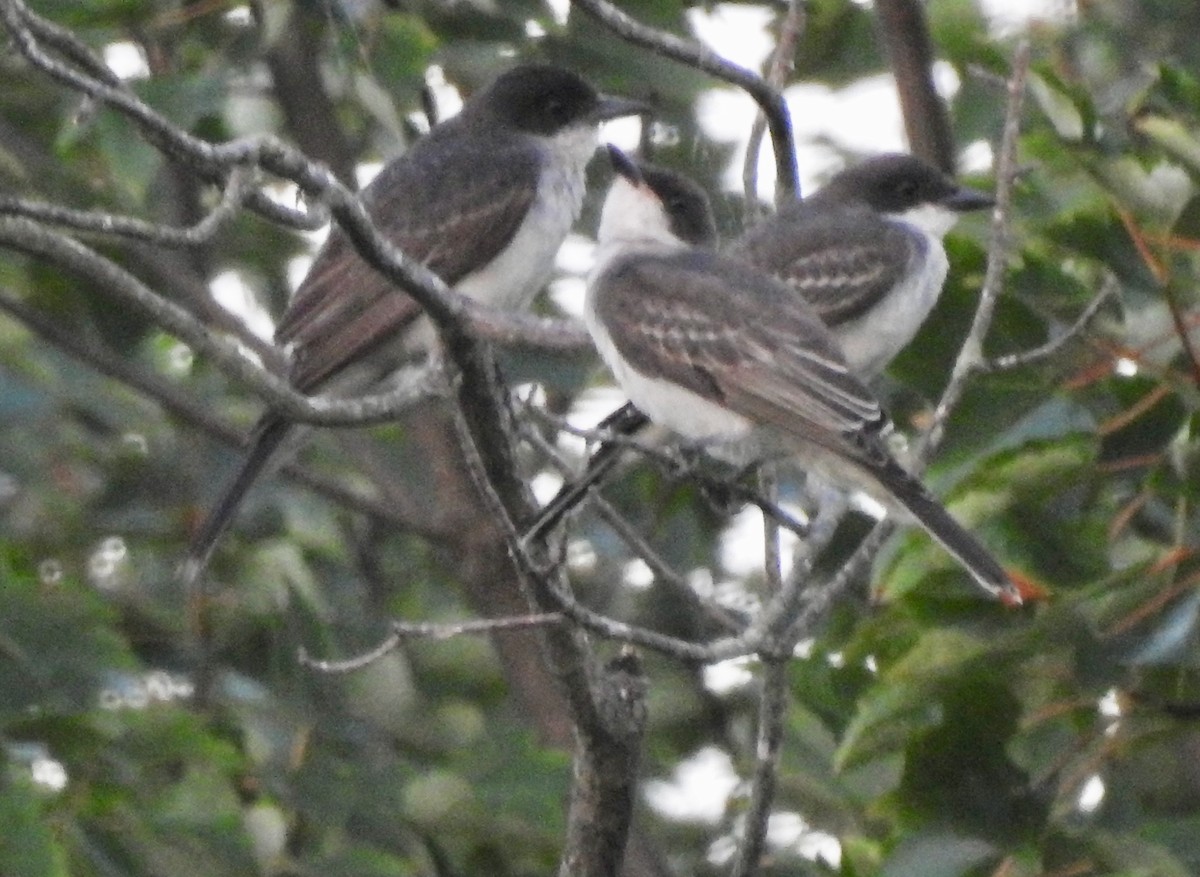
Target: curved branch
x: 783, y: 60
x: 1054, y: 345
x: 905, y: 34
x: 34, y: 239
x: 693, y: 54
x: 402, y: 630
x: 232, y: 196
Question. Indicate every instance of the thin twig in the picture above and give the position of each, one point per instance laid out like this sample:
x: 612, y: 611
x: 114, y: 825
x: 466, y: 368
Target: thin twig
x: 126, y: 226
x: 768, y: 486
x: 970, y: 357
x: 402, y: 630
x: 702, y: 58
x: 665, y: 644
x: 35, y: 239
x: 783, y: 61
x: 635, y: 541
x: 818, y: 599
x: 1045, y: 351
x: 772, y: 708
x: 1176, y: 309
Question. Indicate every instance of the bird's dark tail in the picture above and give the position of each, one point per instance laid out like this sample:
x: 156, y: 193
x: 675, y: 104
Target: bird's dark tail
x: 936, y: 521
x: 267, y: 441
x: 625, y: 421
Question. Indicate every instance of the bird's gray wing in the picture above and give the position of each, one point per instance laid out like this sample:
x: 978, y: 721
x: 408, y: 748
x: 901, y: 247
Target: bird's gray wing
x: 842, y: 261
x: 740, y: 339
x: 426, y: 205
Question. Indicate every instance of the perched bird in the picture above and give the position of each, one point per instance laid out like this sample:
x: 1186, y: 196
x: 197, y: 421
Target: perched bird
x: 717, y: 350
x: 691, y: 221
x: 484, y: 200
x: 865, y: 251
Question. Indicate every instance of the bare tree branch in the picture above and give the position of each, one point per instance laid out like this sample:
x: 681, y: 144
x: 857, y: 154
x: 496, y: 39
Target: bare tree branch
x: 402, y: 630
x: 621, y: 631
x: 905, y: 33
x: 521, y: 328
x: 1039, y: 354
x: 35, y: 239
x: 970, y: 357
x: 779, y: 119
x: 604, y: 791
x: 783, y: 61
x: 232, y: 195
x: 772, y: 710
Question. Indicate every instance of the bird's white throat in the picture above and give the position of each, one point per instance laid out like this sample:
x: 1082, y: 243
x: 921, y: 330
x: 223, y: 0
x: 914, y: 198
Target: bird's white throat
x: 933, y: 219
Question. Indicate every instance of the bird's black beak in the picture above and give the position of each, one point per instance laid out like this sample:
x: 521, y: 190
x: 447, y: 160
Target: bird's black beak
x: 963, y: 199
x: 624, y: 165
x: 611, y: 107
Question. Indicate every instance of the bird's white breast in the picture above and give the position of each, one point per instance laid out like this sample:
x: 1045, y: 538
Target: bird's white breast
x: 665, y: 403
x: 873, y: 340
x: 513, y: 278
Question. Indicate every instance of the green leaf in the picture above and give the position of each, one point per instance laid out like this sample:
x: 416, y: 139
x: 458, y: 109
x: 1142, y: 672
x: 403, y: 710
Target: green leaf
x: 36, y: 673
x: 27, y: 844
x: 904, y: 701
x: 937, y: 855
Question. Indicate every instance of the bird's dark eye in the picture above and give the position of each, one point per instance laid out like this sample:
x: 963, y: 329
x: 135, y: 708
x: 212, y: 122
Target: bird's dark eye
x: 557, y: 109
x: 906, y: 189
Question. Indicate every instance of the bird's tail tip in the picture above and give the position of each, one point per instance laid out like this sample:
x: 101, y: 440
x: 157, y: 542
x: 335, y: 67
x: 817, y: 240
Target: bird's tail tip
x: 1020, y: 589
x: 1007, y: 592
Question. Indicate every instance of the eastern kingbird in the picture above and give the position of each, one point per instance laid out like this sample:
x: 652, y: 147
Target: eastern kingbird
x: 716, y: 349
x: 865, y: 251
x: 484, y: 200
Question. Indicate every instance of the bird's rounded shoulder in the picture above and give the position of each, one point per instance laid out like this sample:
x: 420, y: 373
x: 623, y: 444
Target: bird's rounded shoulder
x: 444, y: 169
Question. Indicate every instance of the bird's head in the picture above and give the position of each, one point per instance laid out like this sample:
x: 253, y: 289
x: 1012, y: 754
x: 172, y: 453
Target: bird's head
x: 545, y: 100
x: 906, y: 187
x: 652, y: 203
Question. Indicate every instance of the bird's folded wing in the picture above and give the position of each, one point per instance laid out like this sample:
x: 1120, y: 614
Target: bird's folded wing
x: 452, y: 221
x: 737, y: 338
x: 841, y: 261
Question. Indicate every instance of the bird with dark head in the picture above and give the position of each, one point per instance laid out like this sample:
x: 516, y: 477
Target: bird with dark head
x: 866, y: 252
x: 717, y: 349
x: 484, y: 200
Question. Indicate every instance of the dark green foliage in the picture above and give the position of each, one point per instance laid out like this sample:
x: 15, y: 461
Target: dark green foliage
x: 933, y: 733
